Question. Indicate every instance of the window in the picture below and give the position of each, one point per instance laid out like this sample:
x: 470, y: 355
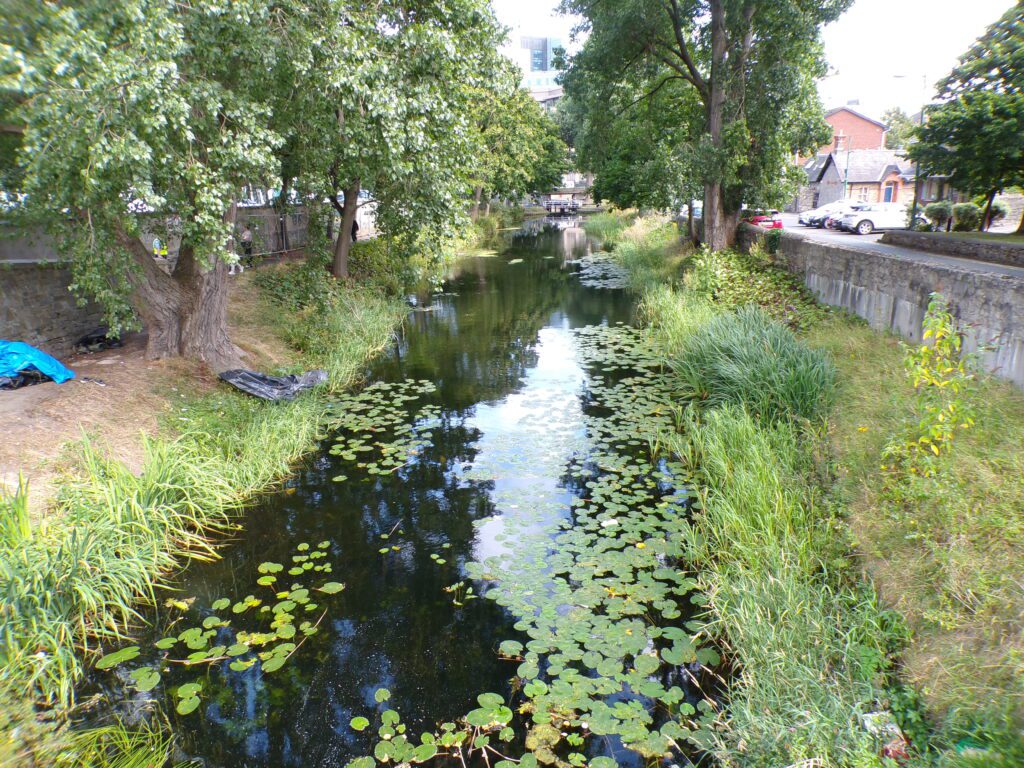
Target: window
x: 889, y: 196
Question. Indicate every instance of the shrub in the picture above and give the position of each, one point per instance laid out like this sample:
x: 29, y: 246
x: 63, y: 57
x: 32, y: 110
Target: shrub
x: 966, y: 217
x: 745, y: 357
x: 939, y: 212
x: 942, y: 377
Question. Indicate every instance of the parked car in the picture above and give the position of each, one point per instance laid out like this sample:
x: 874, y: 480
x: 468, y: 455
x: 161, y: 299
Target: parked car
x: 870, y: 217
x: 818, y: 217
x: 770, y: 219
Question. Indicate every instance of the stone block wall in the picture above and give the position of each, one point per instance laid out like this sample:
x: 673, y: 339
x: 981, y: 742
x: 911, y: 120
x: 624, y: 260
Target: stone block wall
x: 36, y: 307
x: 1011, y: 254
x: 892, y: 294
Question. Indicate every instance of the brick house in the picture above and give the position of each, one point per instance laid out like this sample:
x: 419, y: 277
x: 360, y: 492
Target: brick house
x: 853, y: 131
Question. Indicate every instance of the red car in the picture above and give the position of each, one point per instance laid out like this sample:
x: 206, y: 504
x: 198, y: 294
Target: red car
x: 766, y: 219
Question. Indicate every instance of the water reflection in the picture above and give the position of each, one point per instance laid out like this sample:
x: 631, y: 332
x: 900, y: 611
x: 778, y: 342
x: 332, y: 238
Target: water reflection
x: 497, y: 344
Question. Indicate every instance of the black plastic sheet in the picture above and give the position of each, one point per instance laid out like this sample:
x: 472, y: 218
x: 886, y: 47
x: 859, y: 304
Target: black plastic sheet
x: 274, y: 388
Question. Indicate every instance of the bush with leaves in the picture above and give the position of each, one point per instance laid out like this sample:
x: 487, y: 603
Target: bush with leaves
x: 966, y: 217
x: 939, y: 213
x: 942, y: 375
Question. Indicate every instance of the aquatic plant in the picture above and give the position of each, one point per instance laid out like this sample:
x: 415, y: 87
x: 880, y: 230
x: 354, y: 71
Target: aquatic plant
x: 275, y: 632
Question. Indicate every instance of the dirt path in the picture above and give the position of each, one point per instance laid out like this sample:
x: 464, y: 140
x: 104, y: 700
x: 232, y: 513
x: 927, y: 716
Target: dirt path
x: 113, y: 398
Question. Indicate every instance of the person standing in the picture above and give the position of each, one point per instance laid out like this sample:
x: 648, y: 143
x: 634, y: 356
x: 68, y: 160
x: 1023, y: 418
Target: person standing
x: 355, y: 230
x: 246, y: 239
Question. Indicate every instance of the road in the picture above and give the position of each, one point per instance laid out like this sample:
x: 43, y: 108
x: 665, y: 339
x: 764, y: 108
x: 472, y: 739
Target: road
x: 872, y: 244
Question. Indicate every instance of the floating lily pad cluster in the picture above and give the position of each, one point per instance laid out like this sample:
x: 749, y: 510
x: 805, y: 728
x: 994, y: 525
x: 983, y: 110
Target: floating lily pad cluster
x: 375, y: 430
x: 601, y: 270
x: 605, y: 611
x: 591, y: 570
x: 279, y: 620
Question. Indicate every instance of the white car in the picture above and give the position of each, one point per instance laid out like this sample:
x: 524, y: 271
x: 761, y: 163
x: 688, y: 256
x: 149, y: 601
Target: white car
x: 869, y: 217
x: 816, y: 217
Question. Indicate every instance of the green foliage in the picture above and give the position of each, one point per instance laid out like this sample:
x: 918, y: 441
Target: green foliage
x: 811, y: 642
x: 942, y: 376
x: 521, y: 148
x: 746, y: 358
x: 943, y: 548
x: 940, y: 213
x: 15, y: 526
x: 606, y: 227
x: 732, y: 279
x: 653, y: 109
x: 326, y: 320
x: 976, y: 136
x: 966, y: 217
x: 901, y: 128
x: 137, y: 103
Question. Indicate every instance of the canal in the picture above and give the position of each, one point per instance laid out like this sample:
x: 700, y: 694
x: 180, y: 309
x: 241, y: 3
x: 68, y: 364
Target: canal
x: 493, y: 484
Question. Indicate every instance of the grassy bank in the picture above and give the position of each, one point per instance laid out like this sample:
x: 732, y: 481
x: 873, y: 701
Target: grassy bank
x: 805, y: 545
x: 75, y: 584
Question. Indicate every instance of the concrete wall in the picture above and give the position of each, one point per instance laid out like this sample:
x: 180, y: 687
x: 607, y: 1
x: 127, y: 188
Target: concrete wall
x: 892, y: 294
x: 36, y: 307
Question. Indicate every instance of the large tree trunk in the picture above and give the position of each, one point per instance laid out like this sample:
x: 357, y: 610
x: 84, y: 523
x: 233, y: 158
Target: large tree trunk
x: 184, y: 313
x: 716, y: 234
x: 986, y: 220
x: 343, y: 242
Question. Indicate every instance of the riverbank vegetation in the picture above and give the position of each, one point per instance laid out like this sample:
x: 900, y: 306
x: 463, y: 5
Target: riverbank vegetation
x: 75, y: 585
x: 841, y: 584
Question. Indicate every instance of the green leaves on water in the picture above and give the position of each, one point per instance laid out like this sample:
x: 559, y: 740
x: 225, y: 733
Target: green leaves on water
x: 358, y: 723
x: 378, y: 431
x: 273, y: 634
x: 113, y: 659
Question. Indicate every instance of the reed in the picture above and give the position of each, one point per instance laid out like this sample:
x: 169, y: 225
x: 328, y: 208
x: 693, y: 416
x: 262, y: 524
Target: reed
x: 606, y: 227
x: 76, y: 585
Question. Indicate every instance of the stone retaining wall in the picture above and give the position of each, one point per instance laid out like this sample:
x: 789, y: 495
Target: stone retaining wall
x: 1011, y: 254
x: 36, y: 307
x: 892, y: 294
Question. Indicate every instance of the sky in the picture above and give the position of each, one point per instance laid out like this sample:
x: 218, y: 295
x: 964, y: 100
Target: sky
x: 876, y: 39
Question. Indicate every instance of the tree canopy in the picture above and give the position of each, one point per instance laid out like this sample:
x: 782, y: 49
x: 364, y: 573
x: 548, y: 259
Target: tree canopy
x: 741, y: 75
x: 975, y: 135
x: 133, y: 114
x: 901, y: 128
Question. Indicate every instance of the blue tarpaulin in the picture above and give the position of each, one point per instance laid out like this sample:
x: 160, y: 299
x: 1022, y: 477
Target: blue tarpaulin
x: 17, y: 356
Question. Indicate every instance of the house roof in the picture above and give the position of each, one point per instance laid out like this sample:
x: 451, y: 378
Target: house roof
x: 814, y: 167
x: 869, y: 166
x: 858, y: 114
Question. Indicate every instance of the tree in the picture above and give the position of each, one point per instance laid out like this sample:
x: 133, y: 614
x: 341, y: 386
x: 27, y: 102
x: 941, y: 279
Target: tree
x: 521, y: 147
x: 747, y: 65
x: 901, y: 128
x: 142, y: 105
x: 976, y: 135
x: 381, y: 106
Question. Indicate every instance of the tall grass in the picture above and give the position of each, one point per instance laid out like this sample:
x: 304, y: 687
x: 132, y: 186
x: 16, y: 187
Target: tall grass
x: 746, y: 358
x: 75, y: 585
x: 809, y: 641
x: 608, y: 226
x: 14, y: 520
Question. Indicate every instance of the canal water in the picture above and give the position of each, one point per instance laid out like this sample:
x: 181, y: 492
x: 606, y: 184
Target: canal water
x: 485, y: 469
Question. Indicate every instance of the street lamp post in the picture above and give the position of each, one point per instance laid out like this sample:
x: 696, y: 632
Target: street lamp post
x: 917, y: 163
